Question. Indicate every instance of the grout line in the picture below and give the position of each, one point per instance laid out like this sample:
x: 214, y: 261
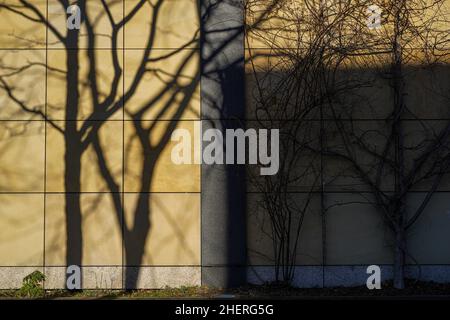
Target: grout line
x: 232, y: 119
x: 201, y: 151
x: 225, y: 265
x: 123, y: 148
x: 170, y: 48
x: 100, y: 49
x: 199, y: 192
x: 45, y: 146
x: 386, y: 48
x: 97, y: 192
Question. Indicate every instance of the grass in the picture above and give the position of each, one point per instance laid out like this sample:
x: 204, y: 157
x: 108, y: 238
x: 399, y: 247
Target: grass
x: 413, y: 289
x: 166, y: 293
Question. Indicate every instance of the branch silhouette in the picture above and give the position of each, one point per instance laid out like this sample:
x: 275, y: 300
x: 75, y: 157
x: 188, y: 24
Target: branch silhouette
x: 87, y: 83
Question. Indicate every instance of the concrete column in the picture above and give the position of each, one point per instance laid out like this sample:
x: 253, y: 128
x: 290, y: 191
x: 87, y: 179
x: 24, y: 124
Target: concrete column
x: 223, y: 106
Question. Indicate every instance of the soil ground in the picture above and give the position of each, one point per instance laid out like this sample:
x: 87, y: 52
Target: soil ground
x: 413, y: 288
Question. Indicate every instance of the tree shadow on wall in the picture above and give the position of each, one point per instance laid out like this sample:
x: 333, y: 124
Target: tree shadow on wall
x: 139, y: 95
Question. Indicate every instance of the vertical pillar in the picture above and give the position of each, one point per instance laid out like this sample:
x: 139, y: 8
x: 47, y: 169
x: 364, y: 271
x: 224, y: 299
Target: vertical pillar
x: 223, y: 107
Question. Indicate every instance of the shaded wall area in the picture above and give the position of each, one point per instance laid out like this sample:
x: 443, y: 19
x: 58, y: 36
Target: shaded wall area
x: 86, y: 175
x: 343, y: 230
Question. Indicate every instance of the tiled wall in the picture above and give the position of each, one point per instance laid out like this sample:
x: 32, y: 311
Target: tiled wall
x: 355, y: 233
x: 32, y: 163
x: 32, y: 157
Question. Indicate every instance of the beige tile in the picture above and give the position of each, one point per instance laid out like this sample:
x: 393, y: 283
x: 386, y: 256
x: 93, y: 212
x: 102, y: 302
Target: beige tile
x: 24, y: 74
x: 428, y: 236
x: 419, y: 137
x: 22, y: 153
x: 98, y: 18
x: 17, y: 31
x: 165, y: 175
x: 105, y: 73
x: 356, y: 232
x: 110, y: 135
x: 426, y: 91
x: 339, y: 174
x: 100, y: 227
x: 174, y: 235
x: 281, y: 26
x: 260, y: 231
x: 22, y: 225
x: 177, y: 24
x: 268, y: 29
x: 292, y: 24
x: 157, y: 95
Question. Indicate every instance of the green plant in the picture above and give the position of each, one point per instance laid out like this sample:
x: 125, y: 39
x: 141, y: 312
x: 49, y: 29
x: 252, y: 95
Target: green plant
x: 32, y: 285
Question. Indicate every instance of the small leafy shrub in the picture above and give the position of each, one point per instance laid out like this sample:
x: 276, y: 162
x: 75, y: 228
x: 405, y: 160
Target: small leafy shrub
x: 32, y: 285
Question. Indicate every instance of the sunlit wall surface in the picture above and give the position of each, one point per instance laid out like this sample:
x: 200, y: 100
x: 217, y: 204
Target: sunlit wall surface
x: 85, y: 169
x: 86, y: 117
